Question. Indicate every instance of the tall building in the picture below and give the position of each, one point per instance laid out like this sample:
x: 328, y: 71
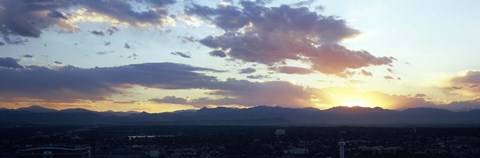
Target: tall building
x: 342, y: 149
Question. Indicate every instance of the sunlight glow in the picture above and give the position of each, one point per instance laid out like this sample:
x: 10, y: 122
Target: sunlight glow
x: 352, y: 103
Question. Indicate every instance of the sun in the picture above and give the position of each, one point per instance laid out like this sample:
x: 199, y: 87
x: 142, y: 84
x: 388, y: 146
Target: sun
x: 352, y: 103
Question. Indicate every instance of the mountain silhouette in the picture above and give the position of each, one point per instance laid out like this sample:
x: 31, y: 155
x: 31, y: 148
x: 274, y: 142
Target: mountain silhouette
x: 36, y: 108
x: 259, y: 115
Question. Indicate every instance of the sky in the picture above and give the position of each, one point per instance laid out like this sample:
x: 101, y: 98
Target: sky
x: 168, y: 55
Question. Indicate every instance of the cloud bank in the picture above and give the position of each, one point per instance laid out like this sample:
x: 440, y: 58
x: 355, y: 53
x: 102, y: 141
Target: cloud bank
x: 95, y: 83
x: 272, y: 35
x: 71, y: 83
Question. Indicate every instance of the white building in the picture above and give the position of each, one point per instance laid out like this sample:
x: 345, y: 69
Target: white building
x: 279, y: 132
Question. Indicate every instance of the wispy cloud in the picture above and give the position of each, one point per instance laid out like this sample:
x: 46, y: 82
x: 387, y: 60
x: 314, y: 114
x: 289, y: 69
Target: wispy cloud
x: 181, y: 54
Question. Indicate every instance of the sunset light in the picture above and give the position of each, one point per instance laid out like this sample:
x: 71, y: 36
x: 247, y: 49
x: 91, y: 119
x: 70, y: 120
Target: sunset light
x: 170, y: 55
x: 353, y: 103
x: 240, y: 78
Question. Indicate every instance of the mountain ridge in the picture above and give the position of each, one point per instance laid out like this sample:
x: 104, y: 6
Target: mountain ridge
x: 260, y: 115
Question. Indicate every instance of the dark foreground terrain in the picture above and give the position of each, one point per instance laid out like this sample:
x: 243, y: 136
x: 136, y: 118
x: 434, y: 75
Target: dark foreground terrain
x: 241, y: 141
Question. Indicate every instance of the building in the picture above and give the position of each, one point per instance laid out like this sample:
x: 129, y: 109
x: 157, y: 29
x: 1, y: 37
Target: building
x: 55, y: 151
x: 296, y: 151
x: 342, y: 149
x: 279, y: 132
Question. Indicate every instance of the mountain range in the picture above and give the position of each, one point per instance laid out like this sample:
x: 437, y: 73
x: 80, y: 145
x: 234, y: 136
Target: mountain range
x: 259, y: 115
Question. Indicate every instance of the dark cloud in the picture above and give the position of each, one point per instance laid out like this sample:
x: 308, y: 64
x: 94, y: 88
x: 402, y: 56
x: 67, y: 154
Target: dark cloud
x: 420, y: 95
x: 110, y: 31
x: 271, y: 35
x: 257, y: 76
x: 25, y: 18
x: 187, y: 39
x: 125, y: 12
x: 8, y: 62
x: 181, y: 54
x: 292, y: 70
x: 218, y: 53
x: 70, y: 82
x: 346, y: 74
x: 390, y: 70
x: 57, y: 62
x: 57, y: 14
x: 265, y: 93
x: 134, y: 56
x: 388, y: 77
x: 127, y: 46
x: 203, y: 11
x: 28, y: 18
x: 242, y: 92
x: 366, y: 73
x: 210, y: 41
x: 2, y: 44
x: 27, y: 56
x: 170, y: 100
x: 247, y: 71
x: 98, y: 33
x: 107, y: 43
